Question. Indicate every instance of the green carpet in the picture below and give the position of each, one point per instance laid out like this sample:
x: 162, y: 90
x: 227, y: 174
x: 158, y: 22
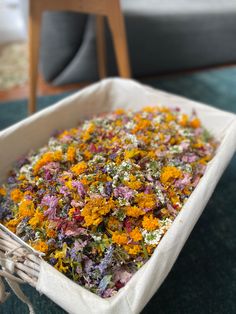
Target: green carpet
x: 203, y: 280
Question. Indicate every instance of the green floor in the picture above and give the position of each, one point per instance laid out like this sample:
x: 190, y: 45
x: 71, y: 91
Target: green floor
x: 203, y: 280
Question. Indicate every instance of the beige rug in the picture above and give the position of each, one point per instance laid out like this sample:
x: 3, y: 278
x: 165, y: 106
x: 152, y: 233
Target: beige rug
x: 13, y: 65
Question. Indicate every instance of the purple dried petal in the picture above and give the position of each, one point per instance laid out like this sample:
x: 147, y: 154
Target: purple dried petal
x: 88, y: 265
x: 11, y: 180
x: 189, y: 158
x: 47, y: 175
x: 51, y: 202
x: 172, y: 210
x: 53, y: 261
x: 65, y: 191
x: 76, y: 204
x: 22, y: 161
x: 109, y: 292
x: 108, y: 188
x: 183, y: 182
x: 122, y: 276
x: 124, y: 192
x: 73, y: 231
x: 80, y: 188
x: 105, y: 262
x: 148, y: 189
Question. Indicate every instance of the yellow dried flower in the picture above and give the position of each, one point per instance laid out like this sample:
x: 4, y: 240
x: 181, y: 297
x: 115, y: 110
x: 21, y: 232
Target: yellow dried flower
x: 134, y: 211
x: 3, y: 191
x: 37, y: 219
x: 12, y: 224
x: 133, y: 249
x: 113, y: 223
x: 40, y: 246
x: 146, y: 200
x: 150, y: 223
x: 71, y: 212
x: 26, y: 208
x: 136, y: 235
x: 170, y: 173
x: 132, y: 153
x: 195, y: 123
x: 95, y: 209
x: 71, y: 153
x: 79, y: 168
x: 16, y: 195
x: 120, y: 238
x: 46, y: 158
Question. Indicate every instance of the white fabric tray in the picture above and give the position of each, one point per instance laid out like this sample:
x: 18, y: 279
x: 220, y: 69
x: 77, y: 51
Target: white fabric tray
x: 105, y: 96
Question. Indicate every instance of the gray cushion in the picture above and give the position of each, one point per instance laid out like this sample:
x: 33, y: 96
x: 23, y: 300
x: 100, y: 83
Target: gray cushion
x: 163, y: 36
x: 62, y: 35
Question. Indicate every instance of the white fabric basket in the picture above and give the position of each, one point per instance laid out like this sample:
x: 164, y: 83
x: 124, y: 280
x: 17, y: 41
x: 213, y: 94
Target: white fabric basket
x: 105, y: 96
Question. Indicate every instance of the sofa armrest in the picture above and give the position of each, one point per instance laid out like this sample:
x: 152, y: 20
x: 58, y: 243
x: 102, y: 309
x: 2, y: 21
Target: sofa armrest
x: 62, y: 35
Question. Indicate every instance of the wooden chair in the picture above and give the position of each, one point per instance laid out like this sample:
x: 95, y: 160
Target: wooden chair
x: 102, y: 8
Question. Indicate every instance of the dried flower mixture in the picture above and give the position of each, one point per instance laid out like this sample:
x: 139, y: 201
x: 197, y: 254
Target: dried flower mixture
x: 98, y: 198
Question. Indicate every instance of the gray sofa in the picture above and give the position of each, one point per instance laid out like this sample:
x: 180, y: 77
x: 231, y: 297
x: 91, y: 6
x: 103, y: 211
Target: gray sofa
x: 163, y: 36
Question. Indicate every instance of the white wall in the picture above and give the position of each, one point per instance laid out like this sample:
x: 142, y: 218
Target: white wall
x: 12, y: 22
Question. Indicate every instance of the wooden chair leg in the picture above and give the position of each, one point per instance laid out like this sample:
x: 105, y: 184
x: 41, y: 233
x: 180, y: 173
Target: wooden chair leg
x: 35, y: 15
x: 117, y: 26
x: 101, y: 46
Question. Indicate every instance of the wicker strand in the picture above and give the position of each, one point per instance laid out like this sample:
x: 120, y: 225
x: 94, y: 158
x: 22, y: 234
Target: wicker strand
x: 18, y: 264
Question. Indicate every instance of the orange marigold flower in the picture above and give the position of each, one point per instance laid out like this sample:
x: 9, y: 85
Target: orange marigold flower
x: 169, y: 117
x: 136, y: 235
x: 133, y: 183
x: 150, y: 223
x: 16, y: 195
x: 57, y: 155
x: 87, y: 154
x: 150, y: 249
x: 64, y: 134
x: 71, y: 153
x: 86, y: 135
x: 195, y: 123
x: 71, y: 212
x: 3, y: 191
x: 95, y: 209
x: 113, y: 223
x: 164, y: 109
x: 118, y: 122
x: 151, y: 154
x: 149, y: 109
x: 51, y: 233
x: 141, y: 125
x: 131, y: 153
x: 120, y: 238
x: 175, y: 199
x: 79, y: 168
x: 146, y: 200
x: 40, y: 246
x: 12, y: 224
x: 184, y: 120
x: 170, y: 173
x: 84, y: 181
x: 165, y: 211
x: 133, y: 249
x: 26, y: 208
x: 21, y: 177
x: 37, y: 219
x: 134, y: 211
x: 69, y: 184
x: 119, y: 111
x: 46, y: 158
